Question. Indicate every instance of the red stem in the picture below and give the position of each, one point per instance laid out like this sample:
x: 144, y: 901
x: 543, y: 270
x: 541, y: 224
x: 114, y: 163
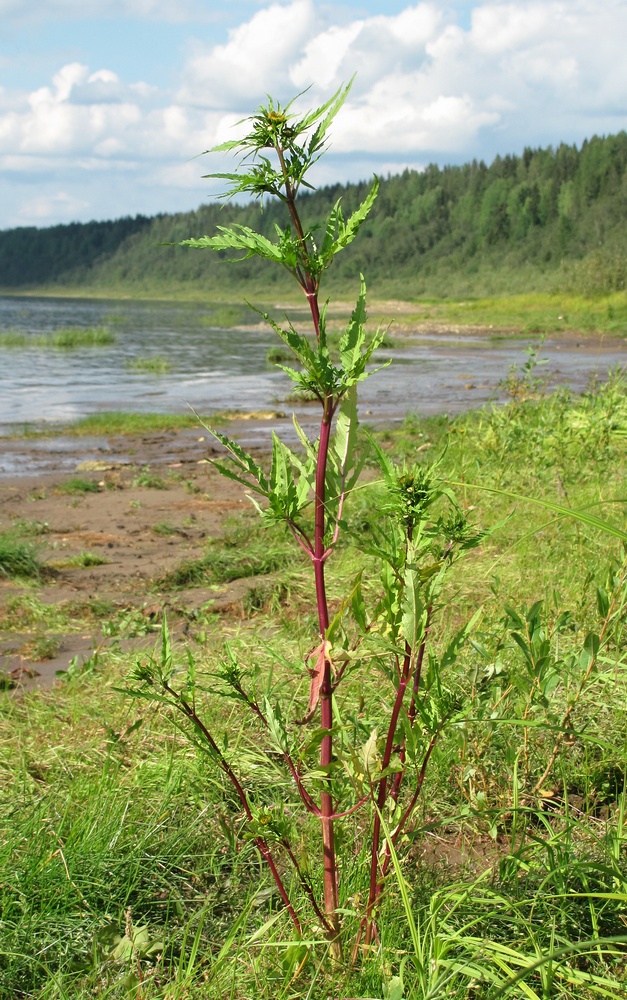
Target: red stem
x: 190, y: 712
x: 307, y: 800
x: 410, y: 808
x: 326, y: 689
x: 382, y: 793
x: 398, y: 778
x: 309, y: 285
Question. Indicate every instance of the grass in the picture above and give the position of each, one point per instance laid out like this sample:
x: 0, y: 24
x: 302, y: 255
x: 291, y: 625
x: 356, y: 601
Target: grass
x: 164, y: 528
x: 27, y: 612
x: 17, y: 558
x: 42, y: 647
x: 113, y: 822
x: 531, y: 313
x: 120, y: 422
x: 226, y: 316
x: 77, y: 485
x: 27, y: 526
x: 155, y: 365
x: 148, y: 479
x: 83, y: 560
x: 71, y: 338
x: 241, y: 553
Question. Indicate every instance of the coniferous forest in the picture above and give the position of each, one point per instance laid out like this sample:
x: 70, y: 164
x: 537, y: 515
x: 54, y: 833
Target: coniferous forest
x: 549, y: 219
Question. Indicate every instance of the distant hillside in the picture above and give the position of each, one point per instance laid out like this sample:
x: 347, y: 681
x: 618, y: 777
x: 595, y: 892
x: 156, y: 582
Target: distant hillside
x: 548, y: 216
x: 31, y: 256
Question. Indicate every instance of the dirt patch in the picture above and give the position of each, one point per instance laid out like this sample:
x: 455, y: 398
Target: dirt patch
x: 108, y: 548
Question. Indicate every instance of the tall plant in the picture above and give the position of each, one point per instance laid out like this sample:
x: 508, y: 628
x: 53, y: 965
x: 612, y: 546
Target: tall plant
x: 365, y: 758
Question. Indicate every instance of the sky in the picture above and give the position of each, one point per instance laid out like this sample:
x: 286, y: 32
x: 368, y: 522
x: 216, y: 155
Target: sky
x: 105, y: 105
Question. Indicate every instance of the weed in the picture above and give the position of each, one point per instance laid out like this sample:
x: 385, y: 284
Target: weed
x: 77, y: 485
x: 278, y: 355
x: 67, y: 339
x: 83, y: 560
x: 24, y: 526
x: 149, y: 480
x: 223, y: 564
x: 155, y: 365
x: 42, y: 647
x: 17, y: 558
x: 308, y: 496
x: 164, y: 528
x: 118, y: 422
x: 26, y: 611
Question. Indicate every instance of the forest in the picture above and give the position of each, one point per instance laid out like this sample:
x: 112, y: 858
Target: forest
x: 550, y: 219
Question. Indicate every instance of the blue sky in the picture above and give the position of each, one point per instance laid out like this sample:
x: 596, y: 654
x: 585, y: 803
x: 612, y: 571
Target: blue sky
x: 105, y: 103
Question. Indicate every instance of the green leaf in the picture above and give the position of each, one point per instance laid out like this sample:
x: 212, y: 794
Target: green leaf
x: 358, y: 605
x: 304, y: 440
x: 592, y: 644
x: 450, y: 654
x: 385, y: 462
x: 414, y: 611
x: 295, y: 341
x: 352, y: 340
x: 345, y: 440
x: 329, y: 110
x: 340, y: 233
x: 394, y: 990
x: 283, y: 494
x: 239, y: 237
x: 244, y: 462
x: 603, y: 602
x: 276, y: 726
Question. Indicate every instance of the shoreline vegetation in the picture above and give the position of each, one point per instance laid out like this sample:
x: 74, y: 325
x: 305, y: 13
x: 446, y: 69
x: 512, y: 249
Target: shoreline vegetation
x: 529, y: 314
x: 198, y: 809
x: 120, y: 864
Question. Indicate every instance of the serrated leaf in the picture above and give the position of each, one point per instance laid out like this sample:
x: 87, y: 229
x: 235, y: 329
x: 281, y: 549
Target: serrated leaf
x: 276, y: 725
x: 339, y: 233
x: 352, y: 340
x: 329, y: 110
x: 304, y: 440
x: 237, y: 237
x: 243, y: 461
x: 294, y: 340
x: 345, y: 440
x: 414, y: 611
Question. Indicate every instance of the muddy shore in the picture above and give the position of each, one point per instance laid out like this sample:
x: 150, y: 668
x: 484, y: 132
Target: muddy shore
x: 154, y: 502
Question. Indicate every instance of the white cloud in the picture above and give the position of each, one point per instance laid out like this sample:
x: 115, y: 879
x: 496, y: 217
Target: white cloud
x: 61, y: 206
x: 499, y: 28
x: 427, y: 87
x: 253, y: 61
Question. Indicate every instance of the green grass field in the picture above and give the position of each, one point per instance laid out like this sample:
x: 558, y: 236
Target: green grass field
x: 125, y: 865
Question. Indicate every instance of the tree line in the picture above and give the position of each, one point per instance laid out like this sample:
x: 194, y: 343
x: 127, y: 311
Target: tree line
x: 536, y: 211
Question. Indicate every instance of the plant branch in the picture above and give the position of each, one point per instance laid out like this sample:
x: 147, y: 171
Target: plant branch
x: 191, y: 714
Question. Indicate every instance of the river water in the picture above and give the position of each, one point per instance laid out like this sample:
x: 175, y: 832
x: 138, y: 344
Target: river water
x: 214, y: 369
